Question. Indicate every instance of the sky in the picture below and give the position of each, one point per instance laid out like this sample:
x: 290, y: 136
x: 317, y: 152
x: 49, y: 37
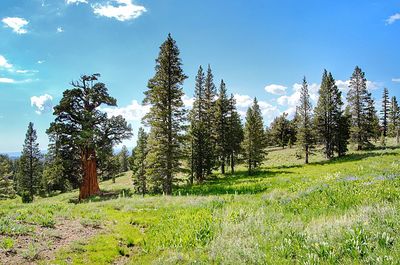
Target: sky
x: 260, y: 48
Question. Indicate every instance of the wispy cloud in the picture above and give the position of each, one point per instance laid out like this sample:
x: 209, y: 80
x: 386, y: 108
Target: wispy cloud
x: 121, y: 10
x: 17, y: 24
x: 393, y: 18
x: 132, y: 112
x: 77, y: 2
x: 42, y: 104
x: 396, y: 80
x: 6, y: 80
x: 60, y: 30
x: 41, y: 61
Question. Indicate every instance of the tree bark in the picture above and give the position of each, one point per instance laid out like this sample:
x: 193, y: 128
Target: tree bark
x: 90, y: 184
x: 306, y: 154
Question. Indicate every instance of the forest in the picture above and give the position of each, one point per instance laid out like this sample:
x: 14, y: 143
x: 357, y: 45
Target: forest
x: 206, y: 185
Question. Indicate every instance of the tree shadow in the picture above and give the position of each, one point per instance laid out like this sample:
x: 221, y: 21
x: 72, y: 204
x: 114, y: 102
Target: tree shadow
x: 239, y: 183
x: 106, y: 195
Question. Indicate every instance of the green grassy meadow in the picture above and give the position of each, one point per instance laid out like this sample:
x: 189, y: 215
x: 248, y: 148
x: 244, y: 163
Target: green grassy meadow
x: 343, y: 211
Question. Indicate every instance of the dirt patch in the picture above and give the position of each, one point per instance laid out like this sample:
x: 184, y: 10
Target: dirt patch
x: 43, y: 243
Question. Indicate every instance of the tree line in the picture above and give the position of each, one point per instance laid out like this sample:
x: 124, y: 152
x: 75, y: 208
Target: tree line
x: 210, y: 136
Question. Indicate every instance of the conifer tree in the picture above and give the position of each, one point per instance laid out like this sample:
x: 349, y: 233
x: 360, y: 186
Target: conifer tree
x: 235, y: 133
x: 123, y: 158
x: 385, y: 111
x: 222, y: 126
x: 165, y: 118
x: 328, y: 114
x: 198, y: 129
x: 280, y: 130
x: 29, y: 168
x: 358, y: 100
x: 254, y: 142
x: 6, y: 178
x: 305, y: 137
x: 139, y: 163
x: 210, y: 122
x: 372, y: 126
x: 342, y: 134
x: 394, y: 119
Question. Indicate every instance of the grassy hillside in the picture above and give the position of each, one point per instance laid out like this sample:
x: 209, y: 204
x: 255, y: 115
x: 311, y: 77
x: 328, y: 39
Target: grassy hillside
x: 342, y: 211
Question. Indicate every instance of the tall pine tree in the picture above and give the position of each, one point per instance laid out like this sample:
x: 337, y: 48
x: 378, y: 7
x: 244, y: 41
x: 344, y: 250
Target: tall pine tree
x: 139, y: 163
x: 358, y: 100
x: 222, y: 126
x: 254, y: 142
x: 305, y: 138
x: 198, y: 129
x: 394, y: 119
x: 29, y: 168
x: 235, y: 133
x: 385, y: 111
x: 280, y: 130
x: 165, y: 118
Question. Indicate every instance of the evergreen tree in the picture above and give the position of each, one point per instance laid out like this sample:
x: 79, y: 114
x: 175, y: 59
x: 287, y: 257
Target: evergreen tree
x: 280, y: 130
x: 305, y: 137
x: 394, y: 119
x: 6, y: 178
x: 254, y: 137
x: 198, y: 129
x: 29, y: 168
x: 373, y: 128
x: 222, y: 126
x: 342, y: 134
x: 235, y: 133
x: 165, y: 118
x: 123, y: 159
x: 328, y: 114
x: 385, y: 111
x: 80, y: 124
x: 358, y: 98
x: 139, y: 163
x: 210, y: 122
x: 53, y: 172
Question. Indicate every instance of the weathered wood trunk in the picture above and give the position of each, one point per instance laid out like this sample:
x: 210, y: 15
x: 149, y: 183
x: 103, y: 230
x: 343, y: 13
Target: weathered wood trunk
x: 90, y: 184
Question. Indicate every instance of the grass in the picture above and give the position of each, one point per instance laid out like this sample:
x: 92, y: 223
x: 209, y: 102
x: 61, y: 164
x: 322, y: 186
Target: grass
x: 342, y: 211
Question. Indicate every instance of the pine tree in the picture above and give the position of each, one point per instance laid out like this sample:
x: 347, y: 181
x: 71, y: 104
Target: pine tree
x: 280, y: 130
x: 235, y: 133
x: 305, y: 137
x: 254, y: 142
x: 198, y: 129
x: 394, y: 119
x: 6, y: 178
x: 328, y: 114
x: 165, y: 118
x: 342, y: 134
x: 357, y: 98
x: 222, y: 126
x: 372, y: 126
x: 123, y: 158
x: 29, y: 169
x: 210, y: 122
x: 385, y: 111
x: 139, y: 164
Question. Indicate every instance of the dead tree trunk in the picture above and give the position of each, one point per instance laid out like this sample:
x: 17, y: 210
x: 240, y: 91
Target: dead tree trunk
x: 90, y: 184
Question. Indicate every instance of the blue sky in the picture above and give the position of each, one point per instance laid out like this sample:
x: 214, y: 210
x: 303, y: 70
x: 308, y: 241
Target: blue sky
x: 260, y: 48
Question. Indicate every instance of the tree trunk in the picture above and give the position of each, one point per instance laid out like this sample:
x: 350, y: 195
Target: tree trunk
x: 232, y: 164
x: 90, y: 184
x: 223, y: 166
x: 306, y: 154
x: 397, y: 137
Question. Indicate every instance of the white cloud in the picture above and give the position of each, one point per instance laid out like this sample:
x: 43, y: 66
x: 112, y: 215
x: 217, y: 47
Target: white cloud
x: 42, y: 103
x: 395, y: 79
x: 16, y: 23
x: 243, y: 101
x: 132, y: 112
x: 60, y: 30
x: 6, y: 80
x: 41, y: 61
x: 393, y: 19
x: 276, y: 89
x: 4, y: 63
x: 26, y: 71
x: 77, y: 2
x: 187, y: 101
x: 122, y: 11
